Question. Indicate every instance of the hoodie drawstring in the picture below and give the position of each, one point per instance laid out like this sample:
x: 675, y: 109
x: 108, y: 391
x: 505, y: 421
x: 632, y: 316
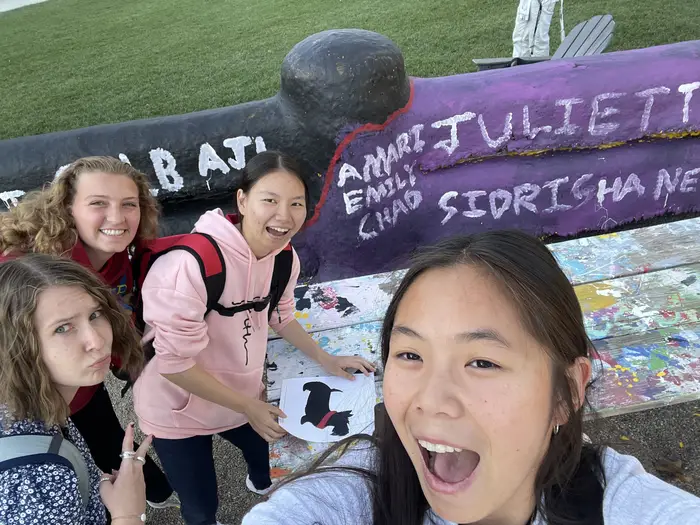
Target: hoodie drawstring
x: 250, y: 320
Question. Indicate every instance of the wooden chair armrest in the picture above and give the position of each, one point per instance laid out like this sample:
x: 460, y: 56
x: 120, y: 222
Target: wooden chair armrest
x: 493, y: 63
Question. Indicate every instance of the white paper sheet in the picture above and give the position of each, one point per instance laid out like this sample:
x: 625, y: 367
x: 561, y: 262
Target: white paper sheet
x: 327, y: 409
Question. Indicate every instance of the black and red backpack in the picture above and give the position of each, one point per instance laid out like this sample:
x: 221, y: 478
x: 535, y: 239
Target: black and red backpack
x: 213, y: 268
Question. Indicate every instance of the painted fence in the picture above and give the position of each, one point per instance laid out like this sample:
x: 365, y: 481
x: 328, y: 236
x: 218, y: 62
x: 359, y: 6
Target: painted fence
x: 558, y: 148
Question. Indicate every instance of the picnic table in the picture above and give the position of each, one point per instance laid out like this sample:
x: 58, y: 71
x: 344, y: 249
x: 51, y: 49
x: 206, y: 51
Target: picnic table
x: 639, y: 290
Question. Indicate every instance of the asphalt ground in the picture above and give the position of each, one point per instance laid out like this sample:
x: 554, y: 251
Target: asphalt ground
x: 666, y: 441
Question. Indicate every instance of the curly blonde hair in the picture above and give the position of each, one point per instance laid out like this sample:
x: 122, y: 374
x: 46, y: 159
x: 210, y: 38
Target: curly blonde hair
x: 26, y: 387
x: 42, y: 221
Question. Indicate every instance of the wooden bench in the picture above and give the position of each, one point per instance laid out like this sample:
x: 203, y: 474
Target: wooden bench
x: 591, y: 37
x: 639, y: 290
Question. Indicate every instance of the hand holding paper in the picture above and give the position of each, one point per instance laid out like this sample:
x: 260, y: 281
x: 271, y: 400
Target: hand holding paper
x: 339, y: 364
x: 263, y: 418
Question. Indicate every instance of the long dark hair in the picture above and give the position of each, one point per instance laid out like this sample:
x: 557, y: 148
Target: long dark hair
x: 569, y: 483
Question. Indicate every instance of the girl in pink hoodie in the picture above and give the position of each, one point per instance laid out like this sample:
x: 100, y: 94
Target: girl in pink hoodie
x: 206, y: 376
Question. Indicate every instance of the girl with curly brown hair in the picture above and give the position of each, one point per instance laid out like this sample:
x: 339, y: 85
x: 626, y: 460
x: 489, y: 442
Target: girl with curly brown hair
x: 60, y: 327
x: 95, y: 212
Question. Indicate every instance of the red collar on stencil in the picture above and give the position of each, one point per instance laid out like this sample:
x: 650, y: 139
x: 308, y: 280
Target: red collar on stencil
x: 324, y: 421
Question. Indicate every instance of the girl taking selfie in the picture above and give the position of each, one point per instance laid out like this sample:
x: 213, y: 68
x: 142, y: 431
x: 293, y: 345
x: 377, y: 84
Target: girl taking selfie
x: 486, y: 369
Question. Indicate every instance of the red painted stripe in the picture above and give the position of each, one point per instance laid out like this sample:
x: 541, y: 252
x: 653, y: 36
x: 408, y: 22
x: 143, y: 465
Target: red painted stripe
x: 344, y: 144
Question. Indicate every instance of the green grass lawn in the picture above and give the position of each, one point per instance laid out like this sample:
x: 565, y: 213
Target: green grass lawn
x: 72, y: 63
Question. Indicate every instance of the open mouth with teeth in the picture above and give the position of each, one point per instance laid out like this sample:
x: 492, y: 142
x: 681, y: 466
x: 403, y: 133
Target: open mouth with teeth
x: 448, y: 465
x: 277, y: 232
x: 113, y: 233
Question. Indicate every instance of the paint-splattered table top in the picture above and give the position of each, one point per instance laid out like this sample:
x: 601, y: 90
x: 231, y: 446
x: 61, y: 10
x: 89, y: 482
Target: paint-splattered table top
x: 364, y: 299
x: 637, y: 306
x: 639, y: 291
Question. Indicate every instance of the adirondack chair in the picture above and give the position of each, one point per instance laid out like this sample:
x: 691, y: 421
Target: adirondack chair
x: 591, y: 37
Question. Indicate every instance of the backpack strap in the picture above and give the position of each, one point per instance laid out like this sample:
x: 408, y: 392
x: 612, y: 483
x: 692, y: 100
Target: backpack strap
x: 23, y: 449
x: 281, y: 273
x: 211, y: 262
x: 206, y: 252
x: 280, y: 277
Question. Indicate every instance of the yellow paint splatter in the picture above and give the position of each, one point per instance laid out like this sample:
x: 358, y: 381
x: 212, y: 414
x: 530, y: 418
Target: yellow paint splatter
x: 681, y: 444
x: 619, y: 383
x: 624, y: 438
x: 630, y: 386
x: 612, y: 145
x: 590, y: 298
x: 661, y: 374
x: 673, y: 135
x: 308, y: 326
x: 635, y: 380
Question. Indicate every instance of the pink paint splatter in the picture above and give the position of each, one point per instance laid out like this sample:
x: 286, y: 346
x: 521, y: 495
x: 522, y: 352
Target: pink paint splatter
x: 328, y: 299
x: 668, y: 314
x: 674, y: 379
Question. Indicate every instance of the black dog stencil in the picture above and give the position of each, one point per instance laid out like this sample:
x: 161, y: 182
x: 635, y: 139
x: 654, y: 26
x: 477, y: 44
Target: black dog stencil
x: 318, y: 411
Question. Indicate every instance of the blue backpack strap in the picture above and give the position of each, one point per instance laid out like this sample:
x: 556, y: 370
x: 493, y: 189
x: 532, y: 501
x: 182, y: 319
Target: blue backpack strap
x: 23, y: 449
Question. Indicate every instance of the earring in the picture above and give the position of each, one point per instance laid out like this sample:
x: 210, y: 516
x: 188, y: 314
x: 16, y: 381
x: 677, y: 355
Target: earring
x: 556, y: 430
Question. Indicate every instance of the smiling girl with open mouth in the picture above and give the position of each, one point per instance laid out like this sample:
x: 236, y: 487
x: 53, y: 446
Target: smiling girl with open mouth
x: 486, y: 368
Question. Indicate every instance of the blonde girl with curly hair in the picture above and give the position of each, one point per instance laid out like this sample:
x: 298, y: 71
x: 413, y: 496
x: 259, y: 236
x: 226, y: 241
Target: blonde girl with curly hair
x: 59, y: 329
x: 96, y: 212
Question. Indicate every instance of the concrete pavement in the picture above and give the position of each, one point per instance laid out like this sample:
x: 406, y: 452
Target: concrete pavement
x: 660, y: 438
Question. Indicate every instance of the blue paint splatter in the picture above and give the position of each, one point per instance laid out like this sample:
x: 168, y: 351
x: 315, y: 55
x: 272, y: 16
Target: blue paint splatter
x: 678, y: 341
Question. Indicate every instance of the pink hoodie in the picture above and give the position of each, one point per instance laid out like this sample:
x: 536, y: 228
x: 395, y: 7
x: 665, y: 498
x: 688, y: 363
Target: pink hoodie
x: 232, y: 349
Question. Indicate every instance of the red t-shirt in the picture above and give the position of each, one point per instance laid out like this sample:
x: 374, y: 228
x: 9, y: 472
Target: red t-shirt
x: 117, y: 274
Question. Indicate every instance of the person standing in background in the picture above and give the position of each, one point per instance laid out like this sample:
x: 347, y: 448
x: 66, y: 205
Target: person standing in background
x: 532, y: 21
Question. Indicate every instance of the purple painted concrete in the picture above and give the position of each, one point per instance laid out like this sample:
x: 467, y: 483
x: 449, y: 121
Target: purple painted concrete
x: 364, y: 242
